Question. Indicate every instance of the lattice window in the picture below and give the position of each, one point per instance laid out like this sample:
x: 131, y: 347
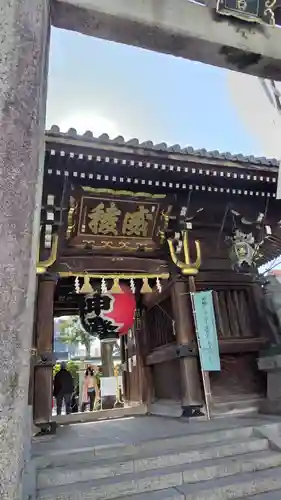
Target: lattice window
x: 234, y: 314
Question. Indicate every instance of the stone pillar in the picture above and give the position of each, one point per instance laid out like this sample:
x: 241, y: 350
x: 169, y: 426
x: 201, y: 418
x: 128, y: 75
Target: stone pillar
x: 107, y: 359
x: 271, y: 365
x: 107, y: 371
x: 192, y: 399
x: 24, y: 37
x: 82, y: 369
x: 43, y: 373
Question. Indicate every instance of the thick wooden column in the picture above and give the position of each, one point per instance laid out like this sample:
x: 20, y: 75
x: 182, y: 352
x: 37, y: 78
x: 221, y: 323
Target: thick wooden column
x: 43, y: 372
x: 191, y: 386
x: 33, y: 354
x: 124, y: 361
x: 147, y: 389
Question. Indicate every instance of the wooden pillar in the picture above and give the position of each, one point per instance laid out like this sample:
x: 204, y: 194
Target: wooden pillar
x: 33, y: 353
x: 191, y: 386
x: 124, y: 362
x: 138, y: 365
x: 43, y: 372
x: 146, y: 371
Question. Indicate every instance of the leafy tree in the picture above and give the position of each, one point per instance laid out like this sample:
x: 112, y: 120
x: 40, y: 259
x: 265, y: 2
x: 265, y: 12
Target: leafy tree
x: 71, y: 332
x: 74, y: 370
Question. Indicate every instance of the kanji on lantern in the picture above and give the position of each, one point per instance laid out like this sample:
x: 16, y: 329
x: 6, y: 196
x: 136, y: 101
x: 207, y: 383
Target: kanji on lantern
x: 122, y: 310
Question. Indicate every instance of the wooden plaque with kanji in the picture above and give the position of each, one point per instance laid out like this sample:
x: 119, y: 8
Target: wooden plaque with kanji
x: 116, y: 220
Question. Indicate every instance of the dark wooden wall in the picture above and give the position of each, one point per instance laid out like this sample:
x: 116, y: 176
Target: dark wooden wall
x: 134, y: 375
x: 240, y: 334
x: 166, y: 379
x: 160, y: 337
x: 239, y: 377
x: 159, y: 324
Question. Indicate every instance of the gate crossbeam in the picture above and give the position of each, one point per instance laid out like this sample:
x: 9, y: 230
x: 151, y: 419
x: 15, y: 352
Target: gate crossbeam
x: 178, y: 27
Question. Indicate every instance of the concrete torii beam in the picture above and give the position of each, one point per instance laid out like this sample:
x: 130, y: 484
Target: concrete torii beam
x: 178, y: 27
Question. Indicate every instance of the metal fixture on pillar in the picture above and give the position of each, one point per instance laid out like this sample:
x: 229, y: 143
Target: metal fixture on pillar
x: 180, y: 256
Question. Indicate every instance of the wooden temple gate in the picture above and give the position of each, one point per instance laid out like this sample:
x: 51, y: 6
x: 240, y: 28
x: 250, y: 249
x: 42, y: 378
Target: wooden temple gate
x: 115, y: 212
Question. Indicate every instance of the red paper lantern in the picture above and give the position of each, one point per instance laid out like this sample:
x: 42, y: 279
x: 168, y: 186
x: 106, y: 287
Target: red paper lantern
x: 122, y: 310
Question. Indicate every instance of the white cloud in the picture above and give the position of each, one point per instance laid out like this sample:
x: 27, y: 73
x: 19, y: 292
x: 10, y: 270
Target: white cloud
x: 83, y: 121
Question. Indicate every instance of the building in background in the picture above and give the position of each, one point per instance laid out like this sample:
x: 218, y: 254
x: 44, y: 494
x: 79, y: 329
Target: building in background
x: 64, y: 351
x: 276, y: 273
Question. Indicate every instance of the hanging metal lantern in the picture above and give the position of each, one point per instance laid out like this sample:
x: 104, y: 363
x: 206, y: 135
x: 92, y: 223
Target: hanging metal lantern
x: 242, y: 251
x: 109, y: 315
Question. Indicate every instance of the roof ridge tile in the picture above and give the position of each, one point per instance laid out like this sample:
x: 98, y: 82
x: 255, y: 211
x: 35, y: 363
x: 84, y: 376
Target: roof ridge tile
x: 176, y: 148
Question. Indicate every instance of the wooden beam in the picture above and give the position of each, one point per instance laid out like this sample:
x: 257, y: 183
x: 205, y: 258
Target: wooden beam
x: 162, y: 354
x: 230, y: 346
x: 114, y: 263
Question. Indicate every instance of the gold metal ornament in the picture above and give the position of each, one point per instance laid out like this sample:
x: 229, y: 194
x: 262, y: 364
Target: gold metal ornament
x: 187, y: 268
x: 111, y: 276
x: 87, y: 287
x: 116, y: 287
x: 145, y: 287
x: 42, y: 266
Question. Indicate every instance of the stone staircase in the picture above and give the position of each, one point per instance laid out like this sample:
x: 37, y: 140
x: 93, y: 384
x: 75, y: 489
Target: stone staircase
x: 225, y: 463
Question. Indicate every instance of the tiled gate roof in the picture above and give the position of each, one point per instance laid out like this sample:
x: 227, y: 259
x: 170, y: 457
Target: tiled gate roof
x: 162, y: 147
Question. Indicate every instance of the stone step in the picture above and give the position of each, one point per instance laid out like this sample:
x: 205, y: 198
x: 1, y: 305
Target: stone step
x: 272, y: 495
x: 183, y: 476
x: 164, y: 408
x: 236, y: 487
x: 168, y: 494
x: 174, y: 494
x: 87, y: 472
x: 143, y: 449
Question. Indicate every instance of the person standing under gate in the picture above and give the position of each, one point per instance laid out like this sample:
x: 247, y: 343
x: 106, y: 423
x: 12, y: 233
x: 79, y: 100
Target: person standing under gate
x: 63, y: 389
x: 90, y: 389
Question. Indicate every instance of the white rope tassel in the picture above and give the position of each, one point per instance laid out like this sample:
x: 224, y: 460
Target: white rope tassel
x: 77, y: 285
x: 103, y: 286
x: 158, y: 285
x: 132, y: 286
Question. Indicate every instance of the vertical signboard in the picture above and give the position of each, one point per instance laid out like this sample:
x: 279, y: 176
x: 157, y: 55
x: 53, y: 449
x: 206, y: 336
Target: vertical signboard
x: 206, y: 330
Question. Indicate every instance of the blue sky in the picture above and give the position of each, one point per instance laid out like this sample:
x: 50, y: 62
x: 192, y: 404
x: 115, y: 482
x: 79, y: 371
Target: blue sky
x: 108, y: 87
